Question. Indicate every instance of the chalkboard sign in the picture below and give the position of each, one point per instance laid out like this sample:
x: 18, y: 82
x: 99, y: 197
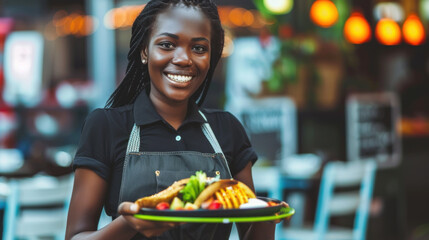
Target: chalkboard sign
x: 372, y: 128
x: 271, y: 126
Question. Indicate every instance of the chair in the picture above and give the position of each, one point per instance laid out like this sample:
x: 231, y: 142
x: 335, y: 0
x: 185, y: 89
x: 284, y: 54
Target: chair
x: 336, y: 175
x: 37, y: 207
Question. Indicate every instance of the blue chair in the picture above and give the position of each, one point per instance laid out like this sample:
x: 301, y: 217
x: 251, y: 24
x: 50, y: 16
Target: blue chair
x: 36, y: 207
x: 346, y: 175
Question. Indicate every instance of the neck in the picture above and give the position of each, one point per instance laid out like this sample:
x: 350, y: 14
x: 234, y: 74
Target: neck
x: 173, y: 113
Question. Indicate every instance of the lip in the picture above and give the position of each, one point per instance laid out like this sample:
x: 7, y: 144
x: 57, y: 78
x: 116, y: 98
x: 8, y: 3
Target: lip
x: 180, y: 73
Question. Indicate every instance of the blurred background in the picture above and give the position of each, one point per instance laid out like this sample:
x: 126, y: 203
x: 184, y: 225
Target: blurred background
x: 320, y: 85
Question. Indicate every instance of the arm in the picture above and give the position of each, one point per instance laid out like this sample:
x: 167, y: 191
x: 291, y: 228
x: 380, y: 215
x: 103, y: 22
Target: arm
x: 258, y: 230
x: 86, y: 204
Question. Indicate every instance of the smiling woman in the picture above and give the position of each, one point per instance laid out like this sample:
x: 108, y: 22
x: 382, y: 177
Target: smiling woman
x: 178, y: 55
x: 154, y: 131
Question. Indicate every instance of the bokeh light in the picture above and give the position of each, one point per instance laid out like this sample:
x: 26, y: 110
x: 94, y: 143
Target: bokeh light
x: 357, y: 29
x: 229, y: 43
x: 391, y: 10
x: 388, y: 32
x: 122, y: 17
x: 64, y: 24
x: 236, y: 16
x: 324, y: 13
x: 278, y: 6
x: 413, y: 30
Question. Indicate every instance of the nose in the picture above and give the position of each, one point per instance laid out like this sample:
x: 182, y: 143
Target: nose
x: 182, y: 57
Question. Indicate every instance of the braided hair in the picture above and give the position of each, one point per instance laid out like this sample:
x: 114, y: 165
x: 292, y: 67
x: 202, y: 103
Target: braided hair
x: 137, y: 74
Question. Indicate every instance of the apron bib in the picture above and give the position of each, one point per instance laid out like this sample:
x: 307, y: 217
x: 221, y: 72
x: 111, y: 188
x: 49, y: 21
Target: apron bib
x: 146, y: 173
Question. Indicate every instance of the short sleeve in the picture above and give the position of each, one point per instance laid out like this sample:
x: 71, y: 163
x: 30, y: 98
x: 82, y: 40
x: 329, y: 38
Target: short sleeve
x: 93, y: 148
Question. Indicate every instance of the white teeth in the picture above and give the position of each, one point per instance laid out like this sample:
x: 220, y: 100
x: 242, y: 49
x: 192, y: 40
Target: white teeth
x: 179, y: 78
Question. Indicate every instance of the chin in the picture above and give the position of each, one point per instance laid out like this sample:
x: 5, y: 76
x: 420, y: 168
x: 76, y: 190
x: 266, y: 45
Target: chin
x: 179, y: 97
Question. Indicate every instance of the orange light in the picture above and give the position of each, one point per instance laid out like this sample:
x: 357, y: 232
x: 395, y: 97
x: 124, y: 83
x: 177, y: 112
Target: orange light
x: 413, y: 30
x: 357, y: 29
x: 76, y: 23
x: 63, y: 27
x: 324, y: 13
x: 131, y: 13
x: 248, y: 18
x: 224, y: 15
x: 236, y: 16
x: 119, y: 17
x: 388, y: 32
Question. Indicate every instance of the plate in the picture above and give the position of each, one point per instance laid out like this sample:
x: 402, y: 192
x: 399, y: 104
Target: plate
x: 283, y: 213
x: 219, y: 216
x: 260, y: 211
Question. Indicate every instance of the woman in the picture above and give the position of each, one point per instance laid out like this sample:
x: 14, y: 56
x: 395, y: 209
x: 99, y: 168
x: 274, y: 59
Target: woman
x: 174, y: 49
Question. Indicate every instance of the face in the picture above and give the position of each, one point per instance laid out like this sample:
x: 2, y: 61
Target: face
x: 178, y: 53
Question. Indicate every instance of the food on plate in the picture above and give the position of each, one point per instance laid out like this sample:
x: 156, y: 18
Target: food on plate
x: 202, y: 192
x: 229, y: 192
x: 164, y: 196
x: 254, y: 202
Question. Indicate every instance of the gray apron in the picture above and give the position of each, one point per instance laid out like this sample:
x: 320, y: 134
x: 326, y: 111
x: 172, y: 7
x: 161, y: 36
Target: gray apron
x: 146, y: 173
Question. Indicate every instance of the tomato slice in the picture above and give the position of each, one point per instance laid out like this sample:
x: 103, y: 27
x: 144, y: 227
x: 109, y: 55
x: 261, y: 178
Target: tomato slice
x: 163, y: 206
x: 215, y: 204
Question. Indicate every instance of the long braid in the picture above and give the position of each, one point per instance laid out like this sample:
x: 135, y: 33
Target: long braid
x: 137, y: 75
x: 217, y: 42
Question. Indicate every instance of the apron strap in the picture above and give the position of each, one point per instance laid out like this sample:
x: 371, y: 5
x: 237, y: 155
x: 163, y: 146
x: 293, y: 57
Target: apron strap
x: 208, y: 132
x: 134, y: 141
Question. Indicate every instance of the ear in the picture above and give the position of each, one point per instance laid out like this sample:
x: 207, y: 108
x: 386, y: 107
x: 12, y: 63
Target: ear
x: 143, y: 53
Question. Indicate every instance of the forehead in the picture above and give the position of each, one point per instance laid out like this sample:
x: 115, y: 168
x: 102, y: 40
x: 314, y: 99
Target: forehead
x: 180, y: 19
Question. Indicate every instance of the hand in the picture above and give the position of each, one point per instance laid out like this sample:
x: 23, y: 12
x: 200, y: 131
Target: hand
x: 283, y: 204
x: 145, y: 227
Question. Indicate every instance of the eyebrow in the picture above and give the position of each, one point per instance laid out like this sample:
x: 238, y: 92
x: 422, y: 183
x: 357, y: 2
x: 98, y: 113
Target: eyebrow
x: 177, y: 37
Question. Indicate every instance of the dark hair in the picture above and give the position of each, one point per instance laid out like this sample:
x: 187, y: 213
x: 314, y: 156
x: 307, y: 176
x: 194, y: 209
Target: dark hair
x: 137, y: 75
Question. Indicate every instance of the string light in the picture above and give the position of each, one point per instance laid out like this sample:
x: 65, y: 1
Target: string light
x: 388, y: 32
x: 324, y: 13
x: 413, y: 30
x: 64, y: 24
x: 357, y: 29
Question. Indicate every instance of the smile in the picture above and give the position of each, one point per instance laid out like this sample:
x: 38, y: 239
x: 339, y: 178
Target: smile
x: 179, y: 78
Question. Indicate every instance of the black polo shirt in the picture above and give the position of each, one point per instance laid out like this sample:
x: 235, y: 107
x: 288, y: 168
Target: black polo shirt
x: 105, y: 135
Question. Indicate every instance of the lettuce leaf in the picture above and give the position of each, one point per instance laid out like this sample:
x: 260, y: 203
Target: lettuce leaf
x: 194, y: 187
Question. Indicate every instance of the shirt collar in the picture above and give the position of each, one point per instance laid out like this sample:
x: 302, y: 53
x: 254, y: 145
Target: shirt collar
x: 145, y: 113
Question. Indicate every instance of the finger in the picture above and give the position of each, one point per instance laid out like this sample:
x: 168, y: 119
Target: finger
x: 175, y: 224
x: 284, y: 204
x: 127, y: 208
x: 276, y: 221
x: 172, y: 224
x: 281, y: 219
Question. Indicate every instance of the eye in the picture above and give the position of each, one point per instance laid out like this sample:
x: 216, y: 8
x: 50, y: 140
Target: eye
x: 166, y: 45
x: 200, y: 49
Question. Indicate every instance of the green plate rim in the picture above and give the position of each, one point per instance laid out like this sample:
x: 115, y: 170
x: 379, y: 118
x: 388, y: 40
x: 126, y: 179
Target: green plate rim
x: 283, y: 213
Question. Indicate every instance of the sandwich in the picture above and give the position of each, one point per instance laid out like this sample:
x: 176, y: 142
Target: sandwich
x: 200, y: 191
